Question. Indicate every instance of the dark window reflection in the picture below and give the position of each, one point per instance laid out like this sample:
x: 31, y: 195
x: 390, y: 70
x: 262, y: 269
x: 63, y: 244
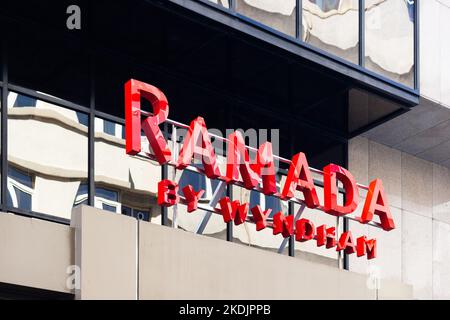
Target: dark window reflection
x: 196, y: 180
x: 109, y: 127
x: 138, y: 214
x: 265, y: 202
x: 20, y: 189
x: 24, y: 101
x: 410, y: 4
x: 20, y: 177
x: 83, y: 119
x: 106, y: 194
x: 82, y: 195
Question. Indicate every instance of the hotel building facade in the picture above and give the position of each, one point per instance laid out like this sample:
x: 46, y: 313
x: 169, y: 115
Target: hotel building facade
x: 364, y: 84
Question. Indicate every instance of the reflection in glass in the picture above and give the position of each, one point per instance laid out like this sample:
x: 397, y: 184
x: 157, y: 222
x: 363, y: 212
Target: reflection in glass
x: 389, y: 35
x: 24, y: 101
x: 124, y: 184
x: 216, y: 227
x: 47, y: 156
x: 82, y: 195
x: 138, y: 214
x: 109, y: 127
x: 279, y: 15
x: 333, y: 26
x: 20, y: 189
x: 107, y: 199
x: 1, y: 109
x: 198, y: 182
x: 265, y: 202
x: 223, y: 3
x: 309, y: 250
x: 246, y: 233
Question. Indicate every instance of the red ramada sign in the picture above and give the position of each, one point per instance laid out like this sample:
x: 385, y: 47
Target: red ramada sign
x: 240, y: 169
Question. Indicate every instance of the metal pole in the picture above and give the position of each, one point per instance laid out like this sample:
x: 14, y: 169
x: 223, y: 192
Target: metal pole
x: 164, y: 175
x: 174, y: 175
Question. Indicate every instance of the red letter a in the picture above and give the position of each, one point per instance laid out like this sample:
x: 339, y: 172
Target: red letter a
x: 376, y: 203
x: 299, y: 178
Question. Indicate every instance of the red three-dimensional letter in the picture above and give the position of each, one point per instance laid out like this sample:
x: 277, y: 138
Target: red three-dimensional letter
x: 266, y: 168
x: 364, y: 246
x: 376, y: 203
x: 326, y: 236
x: 283, y: 224
x: 346, y: 243
x: 192, y: 197
x: 260, y: 217
x: 134, y: 90
x: 304, y: 230
x: 238, y: 160
x: 330, y: 174
x: 299, y: 178
x: 197, y: 130
x: 167, y: 193
x: 233, y: 211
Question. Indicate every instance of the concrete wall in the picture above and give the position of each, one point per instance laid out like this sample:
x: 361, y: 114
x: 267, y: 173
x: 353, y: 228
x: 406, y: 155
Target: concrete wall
x: 117, y: 257
x: 174, y: 264
x: 106, y: 253
x: 416, y: 252
x: 180, y: 265
x: 35, y: 253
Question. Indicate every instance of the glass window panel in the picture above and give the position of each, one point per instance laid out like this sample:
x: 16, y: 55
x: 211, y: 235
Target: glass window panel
x: 23, y: 199
x: 109, y: 127
x: 389, y: 34
x: 196, y: 180
x: 1, y: 111
x: 189, y: 222
x: 273, y: 203
x: 82, y: 195
x: 138, y: 214
x: 52, y: 64
x: 142, y: 215
x: 21, y: 177
x: 9, y: 200
x: 309, y: 250
x: 265, y: 202
x: 106, y: 194
x: 279, y: 15
x: 129, y: 184
x: 223, y: 3
x: 24, y: 101
x: 47, y: 156
x: 108, y: 207
x: 255, y: 198
x: 246, y: 233
x: 333, y: 26
x: 83, y: 119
